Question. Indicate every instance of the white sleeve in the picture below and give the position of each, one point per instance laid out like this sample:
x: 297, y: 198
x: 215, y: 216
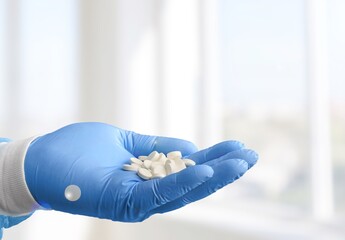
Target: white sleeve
x: 15, y: 196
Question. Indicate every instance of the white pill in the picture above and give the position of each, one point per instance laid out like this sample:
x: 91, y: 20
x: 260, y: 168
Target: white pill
x: 158, y: 169
x: 136, y: 161
x: 161, y: 158
x: 131, y: 167
x: 154, y: 164
x: 188, y: 162
x: 147, y: 164
x: 72, y: 193
x: 144, y: 173
x: 174, y: 154
x: 158, y: 165
x: 179, y: 164
x: 158, y: 175
x: 169, y: 167
x: 168, y: 161
x: 153, y: 156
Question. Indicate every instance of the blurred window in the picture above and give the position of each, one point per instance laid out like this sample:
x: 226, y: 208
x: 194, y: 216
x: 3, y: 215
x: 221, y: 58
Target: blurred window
x: 266, y: 96
x: 264, y: 84
x: 336, y: 56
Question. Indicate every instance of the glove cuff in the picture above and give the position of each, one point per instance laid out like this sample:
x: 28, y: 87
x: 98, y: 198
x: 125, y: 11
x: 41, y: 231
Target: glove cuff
x: 15, y: 196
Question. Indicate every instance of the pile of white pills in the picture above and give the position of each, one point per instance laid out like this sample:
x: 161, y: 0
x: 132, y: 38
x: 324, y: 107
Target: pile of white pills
x: 157, y: 165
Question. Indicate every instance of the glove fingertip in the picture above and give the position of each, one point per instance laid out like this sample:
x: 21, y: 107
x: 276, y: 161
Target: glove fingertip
x: 253, y: 158
x: 237, y: 165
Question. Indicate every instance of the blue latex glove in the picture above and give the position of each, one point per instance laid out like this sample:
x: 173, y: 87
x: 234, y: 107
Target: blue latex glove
x: 5, y: 221
x: 91, y: 156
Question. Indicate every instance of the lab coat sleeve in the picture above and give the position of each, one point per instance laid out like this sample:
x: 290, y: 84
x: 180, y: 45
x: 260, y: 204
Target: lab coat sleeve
x: 15, y: 196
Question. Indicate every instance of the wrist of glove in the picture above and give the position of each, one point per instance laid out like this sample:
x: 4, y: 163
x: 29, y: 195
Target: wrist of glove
x: 9, y: 221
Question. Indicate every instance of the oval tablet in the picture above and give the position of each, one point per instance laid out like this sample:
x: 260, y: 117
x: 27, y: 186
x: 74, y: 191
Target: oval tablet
x: 188, y: 162
x: 153, y: 156
x: 161, y: 158
x: 169, y: 167
x: 136, y: 161
x: 147, y: 164
x: 158, y: 175
x: 174, y: 154
x: 144, y: 173
x: 131, y: 167
x: 179, y: 164
x: 158, y: 169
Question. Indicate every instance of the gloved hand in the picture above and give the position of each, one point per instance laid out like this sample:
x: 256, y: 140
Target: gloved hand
x: 6, y: 221
x: 91, y: 156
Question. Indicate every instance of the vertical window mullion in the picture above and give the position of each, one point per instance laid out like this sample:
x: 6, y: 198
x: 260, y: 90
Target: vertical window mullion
x: 12, y: 63
x: 209, y: 101
x: 319, y: 112
x: 179, y: 68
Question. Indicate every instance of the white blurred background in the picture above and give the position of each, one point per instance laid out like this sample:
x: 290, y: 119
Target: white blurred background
x: 267, y: 72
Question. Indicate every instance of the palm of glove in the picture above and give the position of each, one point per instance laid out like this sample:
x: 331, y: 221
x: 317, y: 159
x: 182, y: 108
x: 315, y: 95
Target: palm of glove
x: 91, y: 155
